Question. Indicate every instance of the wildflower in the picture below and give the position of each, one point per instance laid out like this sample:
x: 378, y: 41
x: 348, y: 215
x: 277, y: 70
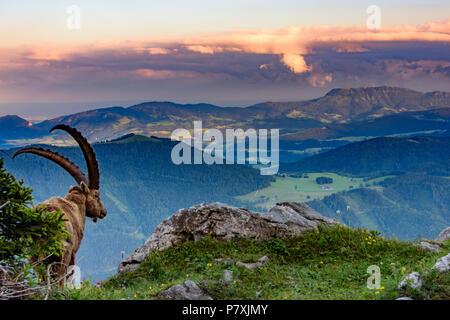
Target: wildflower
x: 382, y: 288
x: 187, y: 276
x: 366, y: 239
x: 369, y: 242
x: 321, y: 262
x: 150, y: 288
x: 374, y: 240
x: 403, y: 269
x: 134, y: 295
x: 209, y: 265
x: 377, y: 292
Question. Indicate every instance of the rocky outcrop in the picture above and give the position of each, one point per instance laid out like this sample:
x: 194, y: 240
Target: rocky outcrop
x: 412, y: 280
x: 443, y: 264
x: 427, y: 246
x: 185, y: 291
x: 224, y: 222
x: 444, y: 235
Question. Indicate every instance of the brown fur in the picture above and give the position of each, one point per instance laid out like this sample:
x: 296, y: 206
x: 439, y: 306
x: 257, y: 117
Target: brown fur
x: 78, y: 203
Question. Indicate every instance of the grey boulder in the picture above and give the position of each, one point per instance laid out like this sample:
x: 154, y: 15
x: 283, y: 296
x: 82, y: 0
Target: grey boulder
x: 188, y: 290
x: 413, y: 280
x: 444, y: 235
x: 428, y: 246
x: 443, y: 264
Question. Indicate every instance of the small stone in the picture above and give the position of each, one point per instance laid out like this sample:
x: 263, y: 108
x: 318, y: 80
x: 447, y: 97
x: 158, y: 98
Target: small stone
x: 425, y: 245
x: 261, y: 261
x: 404, y: 298
x: 443, y: 264
x: 188, y: 290
x: 227, y: 276
x: 413, y: 280
x: 444, y: 235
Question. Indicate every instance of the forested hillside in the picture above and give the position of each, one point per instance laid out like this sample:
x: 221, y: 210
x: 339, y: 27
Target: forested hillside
x: 139, y: 186
x: 409, y: 206
x: 383, y: 154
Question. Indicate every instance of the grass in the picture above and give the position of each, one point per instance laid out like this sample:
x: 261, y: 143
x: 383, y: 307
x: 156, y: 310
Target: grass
x: 329, y: 263
x: 303, y: 189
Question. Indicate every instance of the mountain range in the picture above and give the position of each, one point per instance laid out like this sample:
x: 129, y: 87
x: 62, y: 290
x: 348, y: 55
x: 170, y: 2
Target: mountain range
x: 141, y: 186
x: 340, y: 113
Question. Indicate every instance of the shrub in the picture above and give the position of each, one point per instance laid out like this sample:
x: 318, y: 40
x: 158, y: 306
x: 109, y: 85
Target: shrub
x: 24, y: 230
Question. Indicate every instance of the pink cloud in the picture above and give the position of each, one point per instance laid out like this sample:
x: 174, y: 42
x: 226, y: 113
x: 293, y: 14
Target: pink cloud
x: 295, y: 62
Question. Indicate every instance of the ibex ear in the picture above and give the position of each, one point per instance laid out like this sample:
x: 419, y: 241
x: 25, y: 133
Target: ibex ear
x: 84, y: 188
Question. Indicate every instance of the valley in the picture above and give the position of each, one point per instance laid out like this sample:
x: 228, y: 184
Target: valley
x: 389, y: 165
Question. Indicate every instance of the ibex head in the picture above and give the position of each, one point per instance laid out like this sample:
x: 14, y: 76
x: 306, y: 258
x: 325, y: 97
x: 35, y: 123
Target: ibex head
x: 89, y: 187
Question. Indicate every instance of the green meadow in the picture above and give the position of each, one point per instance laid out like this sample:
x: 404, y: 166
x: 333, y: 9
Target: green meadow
x: 286, y: 188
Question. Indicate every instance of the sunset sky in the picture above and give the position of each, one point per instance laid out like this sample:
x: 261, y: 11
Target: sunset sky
x: 230, y: 53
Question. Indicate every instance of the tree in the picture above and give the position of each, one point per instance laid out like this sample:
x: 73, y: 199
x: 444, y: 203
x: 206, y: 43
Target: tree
x: 26, y: 232
x: 324, y: 180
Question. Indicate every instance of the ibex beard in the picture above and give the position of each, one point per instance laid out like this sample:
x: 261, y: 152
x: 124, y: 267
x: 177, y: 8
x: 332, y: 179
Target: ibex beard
x: 80, y: 202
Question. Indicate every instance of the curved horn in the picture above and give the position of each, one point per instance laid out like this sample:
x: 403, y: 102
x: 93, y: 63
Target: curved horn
x: 69, y: 166
x: 88, y: 152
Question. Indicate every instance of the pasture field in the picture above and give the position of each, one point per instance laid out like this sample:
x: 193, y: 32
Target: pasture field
x: 304, y: 189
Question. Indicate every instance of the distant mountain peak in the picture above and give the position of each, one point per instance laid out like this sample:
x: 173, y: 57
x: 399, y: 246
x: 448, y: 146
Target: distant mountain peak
x: 371, y: 91
x: 10, y: 119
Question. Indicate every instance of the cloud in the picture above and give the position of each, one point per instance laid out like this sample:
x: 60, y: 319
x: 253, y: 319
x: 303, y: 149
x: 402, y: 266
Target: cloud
x: 283, y: 59
x: 154, y: 50
x: 165, y: 74
x: 204, y: 49
x: 295, y: 62
x: 320, y: 80
x: 349, y: 47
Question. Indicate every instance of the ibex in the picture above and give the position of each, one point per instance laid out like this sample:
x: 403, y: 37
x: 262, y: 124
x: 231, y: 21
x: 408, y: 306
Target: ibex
x: 81, y: 201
